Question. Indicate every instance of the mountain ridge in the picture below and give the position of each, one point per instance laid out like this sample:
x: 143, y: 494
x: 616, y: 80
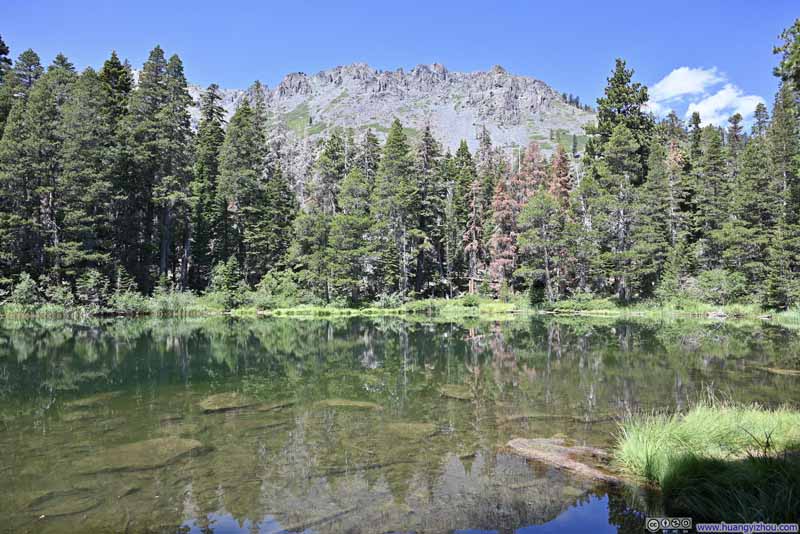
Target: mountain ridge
x: 514, y: 109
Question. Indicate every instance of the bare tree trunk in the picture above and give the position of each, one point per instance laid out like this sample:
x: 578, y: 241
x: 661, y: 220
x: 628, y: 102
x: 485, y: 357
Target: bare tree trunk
x: 166, y: 238
x: 187, y: 254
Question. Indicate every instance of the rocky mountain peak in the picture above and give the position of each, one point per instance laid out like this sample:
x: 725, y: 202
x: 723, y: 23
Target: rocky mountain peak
x: 514, y: 109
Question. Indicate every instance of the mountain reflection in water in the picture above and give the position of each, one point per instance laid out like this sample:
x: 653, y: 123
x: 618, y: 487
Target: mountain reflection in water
x: 283, y: 425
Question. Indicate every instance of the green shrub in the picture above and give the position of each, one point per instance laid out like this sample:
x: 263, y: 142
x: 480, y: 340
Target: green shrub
x: 227, y: 286
x: 721, y: 286
x: 389, y: 301
x: 425, y: 306
x: 582, y: 302
x: 59, y: 294
x: 129, y: 303
x: 470, y: 301
x: 173, y: 302
x: 25, y: 292
x: 92, y: 289
x: 277, y: 289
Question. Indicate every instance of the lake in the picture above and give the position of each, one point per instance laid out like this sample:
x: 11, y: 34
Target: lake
x: 345, y: 425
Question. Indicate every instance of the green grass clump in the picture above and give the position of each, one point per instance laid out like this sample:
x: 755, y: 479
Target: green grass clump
x: 718, y: 461
x: 297, y: 119
x: 582, y: 303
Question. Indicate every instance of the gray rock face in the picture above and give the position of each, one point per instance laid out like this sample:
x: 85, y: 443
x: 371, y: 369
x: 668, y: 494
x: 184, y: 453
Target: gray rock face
x: 514, y: 109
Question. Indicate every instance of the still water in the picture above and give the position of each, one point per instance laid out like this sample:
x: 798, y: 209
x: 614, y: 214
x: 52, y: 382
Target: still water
x: 344, y: 426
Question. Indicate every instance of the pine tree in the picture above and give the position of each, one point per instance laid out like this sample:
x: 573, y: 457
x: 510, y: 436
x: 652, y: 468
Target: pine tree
x: 395, y: 198
x: 712, y: 196
x: 532, y: 173
x: 84, y: 191
x: 735, y: 136
x: 760, y: 120
x: 62, y: 77
x: 368, y: 156
x: 695, y: 137
x: 491, y: 168
x: 208, y: 144
x: 541, y: 243
x: 267, y: 237
x: 30, y: 172
x: 617, y: 176
x: 559, y: 179
x: 144, y: 135
x: 465, y: 175
x: 349, y: 243
x: 430, y: 191
x: 474, y: 235
x: 5, y: 60
x: 117, y: 83
x: 653, y: 229
x: 44, y: 141
x: 330, y: 169
x: 62, y: 62
x: 789, y: 68
x: 27, y: 69
x: 783, y: 139
x: 459, y: 174
x: 18, y: 239
x: 7, y: 85
x: 745, y: 236
x: 623, y: 103
x: 502, y: 243
x: 240, y: 193
x: 171, y: 189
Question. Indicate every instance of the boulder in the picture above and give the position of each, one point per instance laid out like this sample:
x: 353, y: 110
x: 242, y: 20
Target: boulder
x: 456, y: 391
x: 345, y: 403
x: 92, y: 401
x: 64, y: 502
x: 413, y: 431
x: 141, y: 455
x: 225, y: 402
x: 273, y: 406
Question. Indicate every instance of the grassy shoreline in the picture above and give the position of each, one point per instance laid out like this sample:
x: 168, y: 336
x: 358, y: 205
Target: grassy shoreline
x: 718, y: 461
x: 470, y: 307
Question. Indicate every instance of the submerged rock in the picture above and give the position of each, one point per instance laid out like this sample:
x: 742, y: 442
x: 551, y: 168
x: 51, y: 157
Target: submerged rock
x: 141, y: 455
x: 273, y: 406
x: 225, y: 402
x: 64, y: 502
x: 456, y: 391
x: 345, y: 403
x: 587, y: 462
x: 92, y: 401
x: 79, y: 416
x: 527, y: 417
x: 411, y: 430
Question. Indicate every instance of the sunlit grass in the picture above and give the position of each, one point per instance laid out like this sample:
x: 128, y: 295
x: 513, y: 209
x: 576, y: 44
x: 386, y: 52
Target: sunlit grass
x: 718, y: 461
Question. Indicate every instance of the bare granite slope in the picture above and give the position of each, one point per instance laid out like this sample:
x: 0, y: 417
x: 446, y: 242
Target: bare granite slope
x: 514, y: 109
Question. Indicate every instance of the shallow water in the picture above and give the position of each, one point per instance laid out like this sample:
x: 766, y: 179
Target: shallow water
x: 285, y: 425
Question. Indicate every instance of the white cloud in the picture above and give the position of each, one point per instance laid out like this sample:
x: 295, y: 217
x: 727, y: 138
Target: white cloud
x: 656, y: 108
x: 717, y: 108
x: 698, y: 89
x: 685, y: 81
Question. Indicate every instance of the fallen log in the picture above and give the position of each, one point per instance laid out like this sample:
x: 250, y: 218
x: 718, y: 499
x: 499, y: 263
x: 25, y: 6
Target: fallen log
x: 586, y: 462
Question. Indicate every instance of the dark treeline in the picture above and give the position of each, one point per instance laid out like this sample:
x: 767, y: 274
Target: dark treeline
x: 105, y: 187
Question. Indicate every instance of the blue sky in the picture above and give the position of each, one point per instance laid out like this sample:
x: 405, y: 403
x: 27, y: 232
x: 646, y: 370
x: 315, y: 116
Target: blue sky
x: 725, y: 47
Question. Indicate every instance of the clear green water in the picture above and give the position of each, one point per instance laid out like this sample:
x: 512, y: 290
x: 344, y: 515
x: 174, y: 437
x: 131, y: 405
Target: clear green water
x: 103, y: 426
